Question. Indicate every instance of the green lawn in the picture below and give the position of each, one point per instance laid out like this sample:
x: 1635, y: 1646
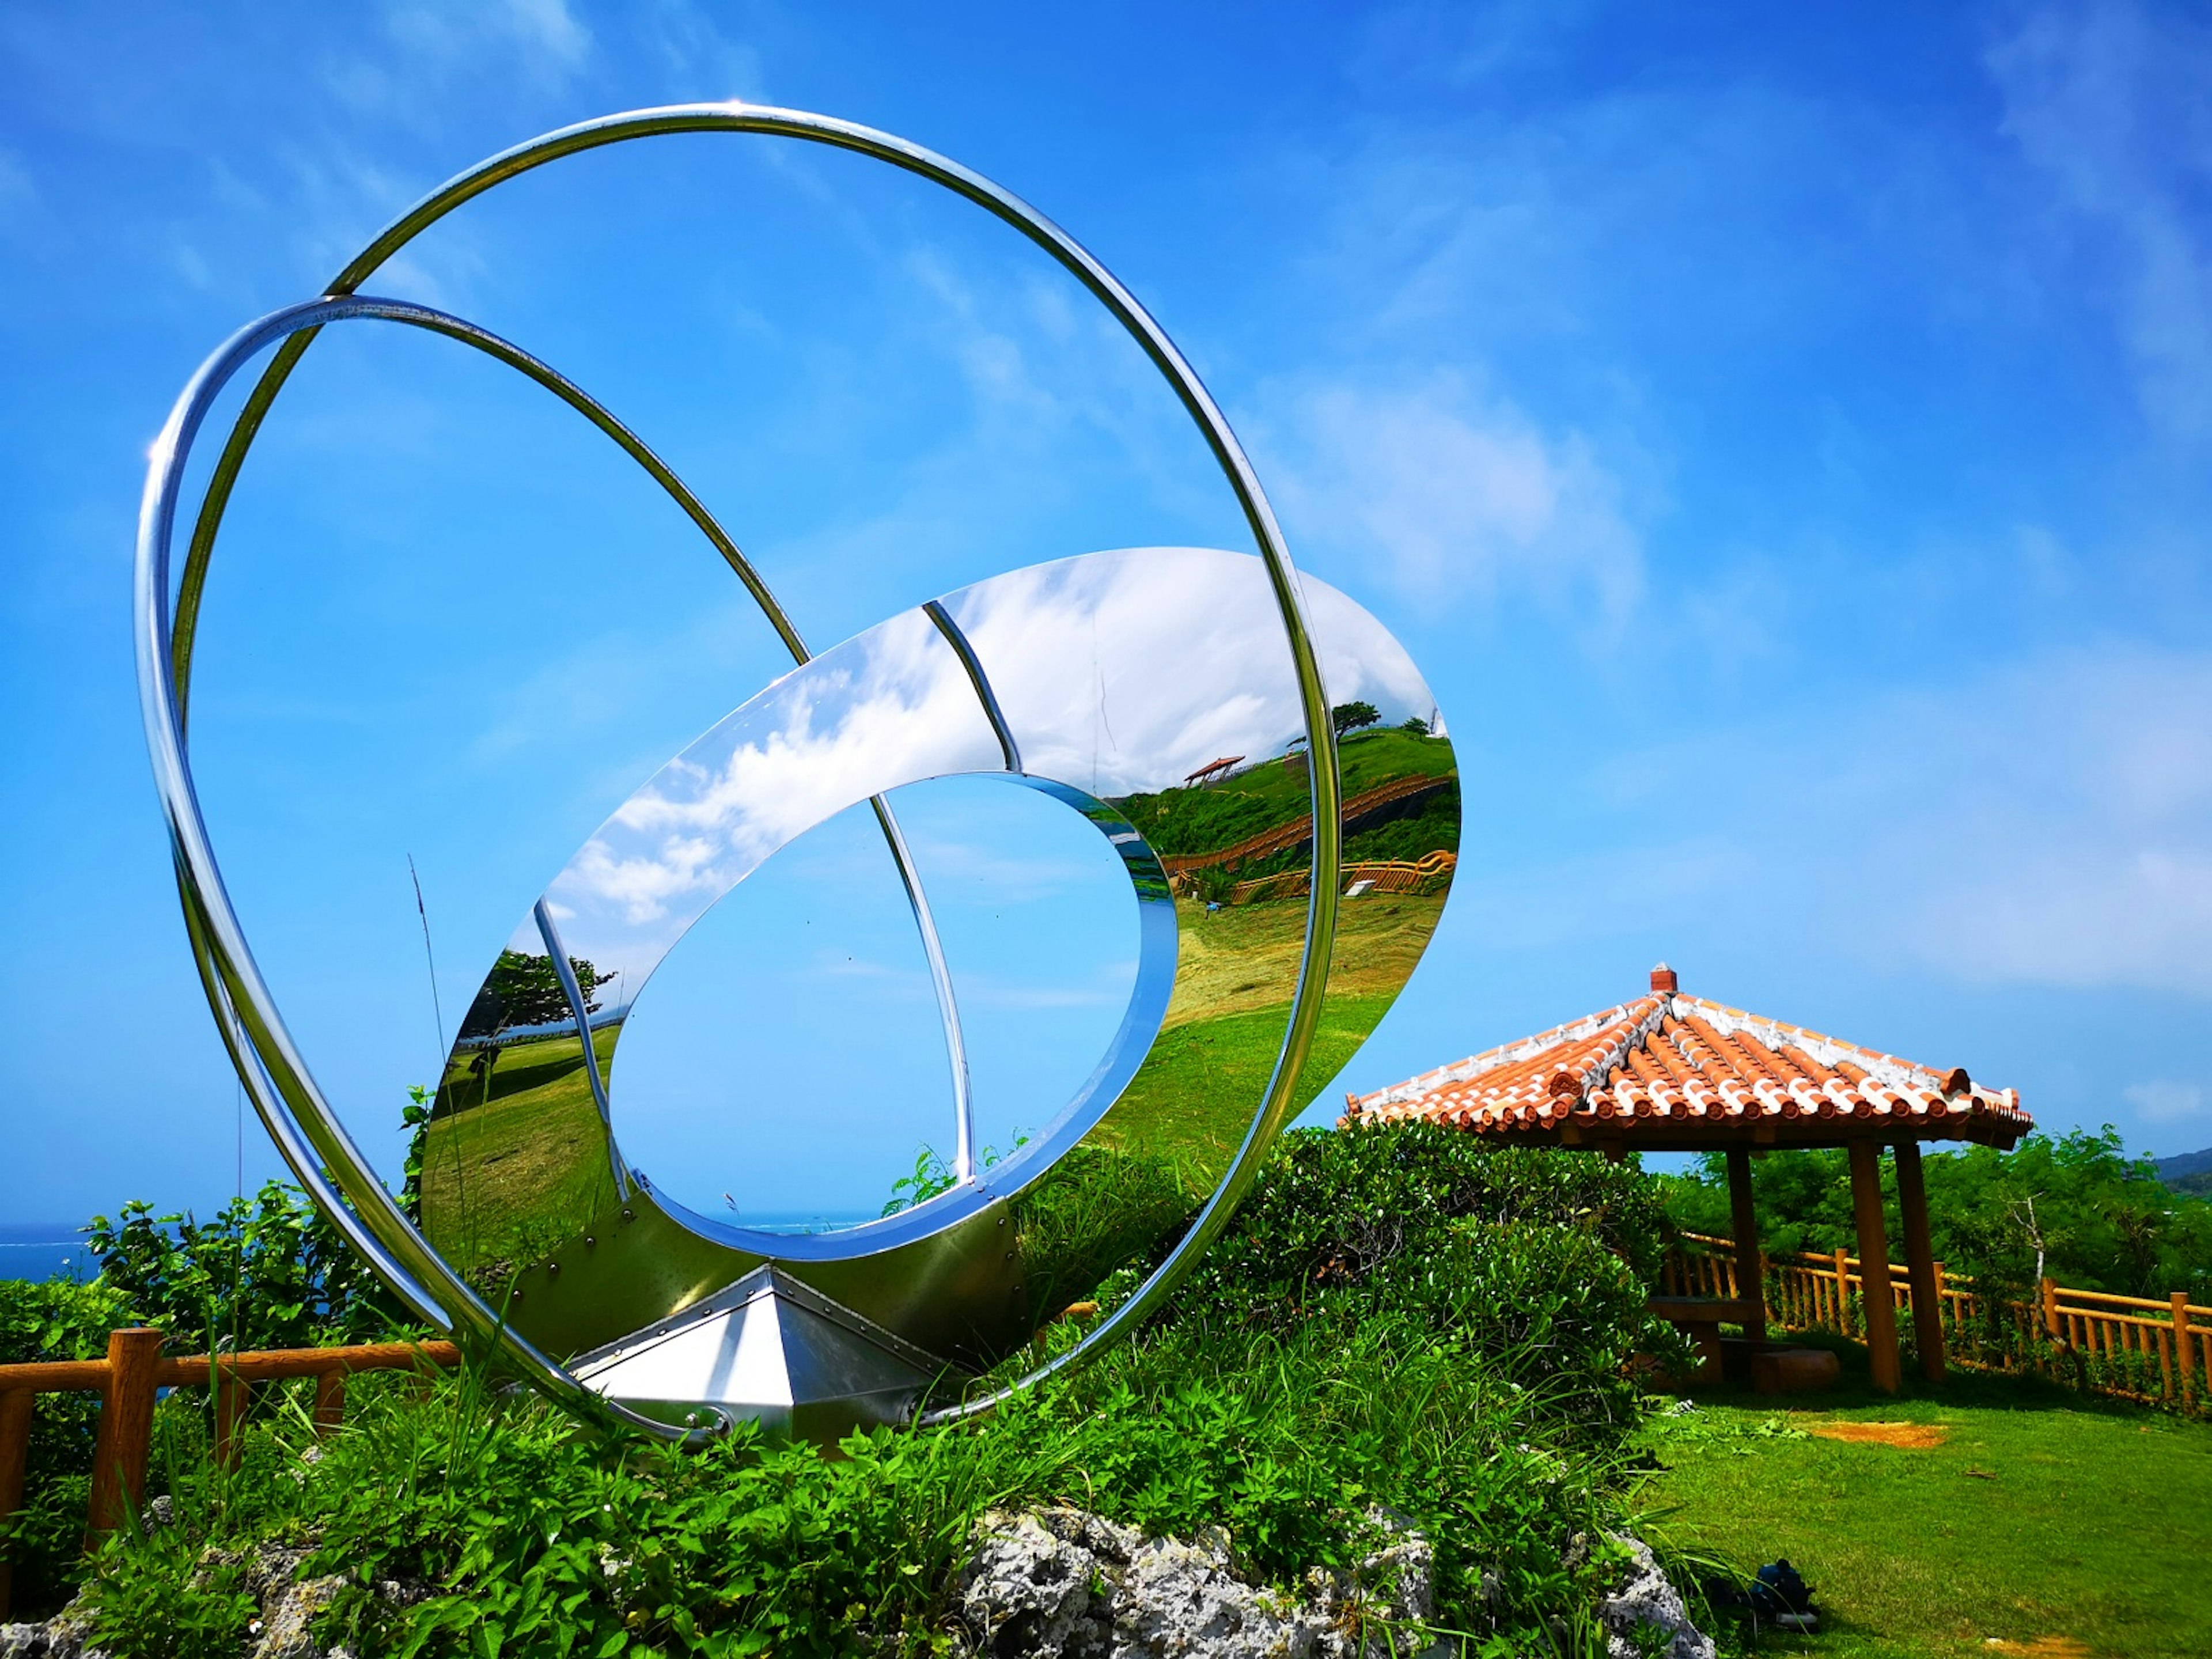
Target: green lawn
x: 2053, y: 1523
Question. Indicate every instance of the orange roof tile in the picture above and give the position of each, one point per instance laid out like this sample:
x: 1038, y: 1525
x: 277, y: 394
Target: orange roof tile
x: 1675, y: 1073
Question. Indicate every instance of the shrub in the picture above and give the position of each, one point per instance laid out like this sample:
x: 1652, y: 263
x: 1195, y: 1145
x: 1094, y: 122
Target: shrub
x: 269, y: 1272
x: 54, y: 1319
x: 1537, y: 1261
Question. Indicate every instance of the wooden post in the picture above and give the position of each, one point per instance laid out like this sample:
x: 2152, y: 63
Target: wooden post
x: 1750, y: 1268
x: 233, y: 1397
x: 1875, y: 1297
x: 1920, y: 1261
x: 330, y: 1404
x: 2051, y: 1327
x: 126, y: 1429
x: 16, y: 1406
x: 1843, y: 1293
x: 2184, y: 1352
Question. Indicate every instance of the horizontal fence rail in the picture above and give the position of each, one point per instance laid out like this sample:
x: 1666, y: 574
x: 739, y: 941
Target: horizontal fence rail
x: 129, y: 1380
x: 1422, y: 875
x: 2134, y: 1347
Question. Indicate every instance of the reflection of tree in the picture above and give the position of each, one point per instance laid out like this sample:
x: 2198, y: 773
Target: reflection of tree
x: 523, y: 990
x: 1351, y: 716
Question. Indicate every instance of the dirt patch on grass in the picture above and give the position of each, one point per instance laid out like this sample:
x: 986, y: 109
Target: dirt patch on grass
x: 2043, y: 1647
x: 1912, y: 1437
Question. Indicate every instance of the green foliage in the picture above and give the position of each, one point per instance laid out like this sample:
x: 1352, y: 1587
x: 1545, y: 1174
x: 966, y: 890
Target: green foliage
x: 1538, y: 1261
x: 1405, y: 1318
x: 1351, y: 716
x: 2091, y: 1217
x: 525, y: 990
x: 54, y: 1319
x: 269, y: 1272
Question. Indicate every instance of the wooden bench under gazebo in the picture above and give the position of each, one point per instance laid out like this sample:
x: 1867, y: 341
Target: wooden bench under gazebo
x: 1669, y: 1073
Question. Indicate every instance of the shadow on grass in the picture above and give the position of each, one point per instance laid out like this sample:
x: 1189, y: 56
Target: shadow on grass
x: 1855, y: 1390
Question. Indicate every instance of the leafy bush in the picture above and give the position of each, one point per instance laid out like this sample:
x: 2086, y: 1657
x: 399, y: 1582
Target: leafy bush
x: 1538, y: 1261
x: 54, y: 1319
x: 269, y: 1272
x: 1400, y: 1317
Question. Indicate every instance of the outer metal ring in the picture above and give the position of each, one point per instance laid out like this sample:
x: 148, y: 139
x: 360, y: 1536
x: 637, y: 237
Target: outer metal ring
x: 290, y: 1105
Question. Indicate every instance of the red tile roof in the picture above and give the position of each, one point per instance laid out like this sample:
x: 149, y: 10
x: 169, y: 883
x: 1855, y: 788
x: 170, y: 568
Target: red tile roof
x: 1671, y: 1073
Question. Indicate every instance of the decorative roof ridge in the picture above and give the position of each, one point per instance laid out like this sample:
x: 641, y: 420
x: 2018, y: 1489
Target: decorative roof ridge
x: 1513, y: 1054
x: 1774, y: 1034
x: 1634, y: 1036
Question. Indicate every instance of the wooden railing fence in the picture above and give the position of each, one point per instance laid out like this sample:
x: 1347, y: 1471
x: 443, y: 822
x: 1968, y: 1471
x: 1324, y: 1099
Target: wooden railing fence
x: 129, y: 1380
x: 2134, y: 1347
x: 1382, y: 876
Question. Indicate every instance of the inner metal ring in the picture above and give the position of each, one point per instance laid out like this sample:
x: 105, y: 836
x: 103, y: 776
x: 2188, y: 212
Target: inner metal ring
x: 242, y: 1003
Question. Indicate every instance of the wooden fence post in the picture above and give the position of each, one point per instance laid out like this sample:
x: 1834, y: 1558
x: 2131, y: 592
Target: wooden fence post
x: 2185, y: 1357
x: 15, y: 1452
x: 330, y: 1404
x: 126, y: 1429
x: 1843, y: 1293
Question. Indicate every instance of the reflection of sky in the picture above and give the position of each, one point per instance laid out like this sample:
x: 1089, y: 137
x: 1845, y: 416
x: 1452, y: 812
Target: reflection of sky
x: 1116, y: 671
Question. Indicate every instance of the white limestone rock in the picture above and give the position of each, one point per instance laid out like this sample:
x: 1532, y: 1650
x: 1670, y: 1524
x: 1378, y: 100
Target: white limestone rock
x: 1065, y: 1581
x: 1646, y: 1601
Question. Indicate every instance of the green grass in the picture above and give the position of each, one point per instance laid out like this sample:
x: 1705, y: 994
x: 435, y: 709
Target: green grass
x: 2041, y: 1517
x: 505, y: 1179
x: 1198, y: 1090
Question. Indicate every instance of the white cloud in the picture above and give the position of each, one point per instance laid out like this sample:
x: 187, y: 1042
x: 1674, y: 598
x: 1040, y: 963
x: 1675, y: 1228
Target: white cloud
x: 2050, y: 824
x: 2163, y: 1101
x: 1452, y: 497
x: 2108, y: 100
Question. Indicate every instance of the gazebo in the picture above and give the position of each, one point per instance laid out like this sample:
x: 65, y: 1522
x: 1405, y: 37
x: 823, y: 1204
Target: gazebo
x: 1670, y: 1072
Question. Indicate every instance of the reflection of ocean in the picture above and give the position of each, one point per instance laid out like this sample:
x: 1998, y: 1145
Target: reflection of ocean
x: 48, y: 1250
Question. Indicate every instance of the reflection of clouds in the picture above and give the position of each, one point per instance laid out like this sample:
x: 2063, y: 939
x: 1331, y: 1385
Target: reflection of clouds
x: 1117, y: 672
x: 888, y: 707
x: 1120, y: 672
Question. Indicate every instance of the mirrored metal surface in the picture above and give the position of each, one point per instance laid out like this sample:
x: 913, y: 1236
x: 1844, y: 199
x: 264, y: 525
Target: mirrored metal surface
x: 1202, y: 745
x: 1148, y: 690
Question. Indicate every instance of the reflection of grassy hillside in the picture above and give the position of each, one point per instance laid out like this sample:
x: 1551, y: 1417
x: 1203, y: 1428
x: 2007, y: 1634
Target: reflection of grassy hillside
x: 1205, y: 820
x: 1203, y: 1080
x: 510, y: 1179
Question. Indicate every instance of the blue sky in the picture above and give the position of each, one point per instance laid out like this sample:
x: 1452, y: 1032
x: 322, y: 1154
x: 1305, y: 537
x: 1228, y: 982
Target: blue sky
x: 1781, y: 441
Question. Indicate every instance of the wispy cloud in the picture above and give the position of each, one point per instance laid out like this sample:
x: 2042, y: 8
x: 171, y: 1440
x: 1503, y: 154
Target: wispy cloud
x: 2163, y: 1101
x: 1451, y: 496
x: 2108, y: 101
x: 2047, y: 824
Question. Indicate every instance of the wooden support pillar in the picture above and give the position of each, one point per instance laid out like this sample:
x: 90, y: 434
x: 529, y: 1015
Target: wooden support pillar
x: 1878, y: 1305
x: 1750, y: 1275
x: 1920, y: 1261
x: 126, y: 1429
x: 16, y: 1406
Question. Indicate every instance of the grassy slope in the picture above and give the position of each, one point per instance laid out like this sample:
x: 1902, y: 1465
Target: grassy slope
x: 2075, y: 1522
x: 1204, y: 820
x: 527, y: 1163
x: 1204, y: 1080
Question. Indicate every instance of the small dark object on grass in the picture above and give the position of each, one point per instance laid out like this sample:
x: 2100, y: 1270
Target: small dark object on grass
x: 1778, y: 1596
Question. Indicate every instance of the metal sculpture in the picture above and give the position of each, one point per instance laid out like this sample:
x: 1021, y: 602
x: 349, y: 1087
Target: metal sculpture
x: 596, y: 1284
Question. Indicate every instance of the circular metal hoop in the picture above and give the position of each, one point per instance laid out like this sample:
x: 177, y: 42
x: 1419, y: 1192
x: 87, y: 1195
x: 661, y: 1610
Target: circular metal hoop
x: 302, y: 1121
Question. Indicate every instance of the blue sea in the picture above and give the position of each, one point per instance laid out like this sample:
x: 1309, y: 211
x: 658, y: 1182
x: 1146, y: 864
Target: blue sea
x: 44, y: 1250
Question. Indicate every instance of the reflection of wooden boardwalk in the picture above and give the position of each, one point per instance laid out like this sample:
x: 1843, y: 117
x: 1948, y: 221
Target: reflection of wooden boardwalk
x: 1282, y: 838
x: 1425, y: 875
